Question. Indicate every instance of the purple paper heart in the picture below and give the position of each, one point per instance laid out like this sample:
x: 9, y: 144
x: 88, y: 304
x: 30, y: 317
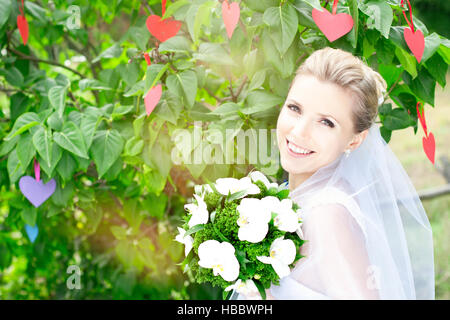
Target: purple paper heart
x: 36, y: 191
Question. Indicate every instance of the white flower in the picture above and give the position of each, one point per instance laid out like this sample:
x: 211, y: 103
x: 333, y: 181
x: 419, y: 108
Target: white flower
x: 232, y: 185
x: 259, y: 176
x: 201, y: 189
x: 282, y: 254
x: 247, y: 288
x: 187, y: 241
x: 286, y: 219
x: 253, y: 220
x: 220, y: 257
x: 198, y: 211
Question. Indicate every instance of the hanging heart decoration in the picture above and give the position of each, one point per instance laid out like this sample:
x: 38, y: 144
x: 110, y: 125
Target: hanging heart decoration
x: 428, y: 142
x: 333, y: 25
x: 230, y: 15
x: 32, y: 232
x: 153, y: 96
x: 162, y: 29
x: 414, y: 38
x: 22, y: 24
x: 34, y: 189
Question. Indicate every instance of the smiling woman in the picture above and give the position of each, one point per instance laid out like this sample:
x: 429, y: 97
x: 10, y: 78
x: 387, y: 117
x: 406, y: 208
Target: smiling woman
x: 368, y: 236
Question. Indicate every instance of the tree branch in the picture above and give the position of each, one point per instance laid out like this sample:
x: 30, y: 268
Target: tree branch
x: 54, y: 63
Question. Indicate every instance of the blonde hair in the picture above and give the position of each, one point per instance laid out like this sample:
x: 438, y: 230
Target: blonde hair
x: 351, y: 74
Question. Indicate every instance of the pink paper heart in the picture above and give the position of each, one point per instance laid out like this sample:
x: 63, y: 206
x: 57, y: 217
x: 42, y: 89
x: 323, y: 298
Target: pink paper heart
x: 36, y: 191
x: 151, y: 99
x: 162, y: 29
x: 415, y: 42
x: 421, y: 117
x: 332, y: 26
x: 22, y: 24
x: 429, y: 146
x: 230, y: 15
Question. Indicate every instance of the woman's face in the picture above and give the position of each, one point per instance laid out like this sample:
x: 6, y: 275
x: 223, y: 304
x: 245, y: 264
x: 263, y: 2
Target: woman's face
x: 316, y: 116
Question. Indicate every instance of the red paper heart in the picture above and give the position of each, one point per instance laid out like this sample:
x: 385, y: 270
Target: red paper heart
x: 162, y: 29
x: 429, y: 146
x: 415, y: 42
x: 230, y: 15
x: 421, y: 117
x: 22, y: 24
x: 151, y: 99
x: 332, y: 26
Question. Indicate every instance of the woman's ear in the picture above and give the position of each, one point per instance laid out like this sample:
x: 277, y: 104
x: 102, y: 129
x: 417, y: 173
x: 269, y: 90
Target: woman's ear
x: 358, y: 139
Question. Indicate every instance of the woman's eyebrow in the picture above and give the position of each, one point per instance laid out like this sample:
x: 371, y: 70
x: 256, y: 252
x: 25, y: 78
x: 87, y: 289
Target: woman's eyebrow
x: 320, y: 114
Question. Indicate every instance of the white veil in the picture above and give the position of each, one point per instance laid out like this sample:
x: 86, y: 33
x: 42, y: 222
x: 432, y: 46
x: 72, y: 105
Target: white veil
x: 399, y: 239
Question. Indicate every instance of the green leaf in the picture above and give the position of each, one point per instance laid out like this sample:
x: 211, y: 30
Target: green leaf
x: 8, y: 145
x: 55, y: 157
x: 71, y: 139
x: 185, y: 84
x: 397, y: 119
x: 432, y: 43
x: 57, y: 97
x: 213, y: 53
x: 15, y: 170
x: 43, y: 144
x: 13, y: 76
x: 25, y: 150
x: 134, y: 146
x: 175, y: 44
x: 261, y: 289
x: 260, y: 100
x: 29, y: 215
x: 119, y: 233
x: 140, y: 36
x: 380, y: 15
x: 23, y: 123
x: 194, y: 229
x: 91, y: 84
x: 203, y: 17
x: 437, y: 67
x: 106, y: 148
x: 283, y: 21
x: 112, y: 52
x: 88, y: 125
x: 66, y: 166
x: 424, y: 86
x: 407, y: 60
x: 5, y: 12
x: 234, y: 196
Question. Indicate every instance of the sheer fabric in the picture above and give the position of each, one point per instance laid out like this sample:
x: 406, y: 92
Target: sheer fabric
x: 368, y: 234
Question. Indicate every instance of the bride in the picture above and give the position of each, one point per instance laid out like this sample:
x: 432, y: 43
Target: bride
x: 368, y: 236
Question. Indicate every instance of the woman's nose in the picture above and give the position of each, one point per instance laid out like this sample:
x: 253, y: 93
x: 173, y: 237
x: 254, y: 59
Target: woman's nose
x: 301, y: 129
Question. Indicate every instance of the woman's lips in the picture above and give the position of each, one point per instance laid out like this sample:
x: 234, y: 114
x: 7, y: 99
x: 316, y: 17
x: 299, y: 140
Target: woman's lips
x: 297, y: 155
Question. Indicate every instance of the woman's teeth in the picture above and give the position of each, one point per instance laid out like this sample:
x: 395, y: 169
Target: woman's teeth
x: 298, y: 150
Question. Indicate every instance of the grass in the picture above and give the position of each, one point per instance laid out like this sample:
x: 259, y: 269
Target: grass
x: 409, y: 150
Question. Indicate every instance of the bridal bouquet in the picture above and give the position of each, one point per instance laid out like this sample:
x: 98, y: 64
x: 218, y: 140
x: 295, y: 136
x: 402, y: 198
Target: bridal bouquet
x: 241, y: 234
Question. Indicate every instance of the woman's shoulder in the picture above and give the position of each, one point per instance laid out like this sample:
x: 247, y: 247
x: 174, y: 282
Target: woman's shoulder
x: 338, y: 203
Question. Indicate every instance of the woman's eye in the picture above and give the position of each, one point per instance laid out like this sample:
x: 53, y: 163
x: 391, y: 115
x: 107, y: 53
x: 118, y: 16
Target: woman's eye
x: 329, y: 123
x: 293, y: 107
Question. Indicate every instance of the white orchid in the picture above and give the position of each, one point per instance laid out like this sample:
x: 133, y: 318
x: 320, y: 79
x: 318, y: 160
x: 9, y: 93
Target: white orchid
x: 285, y: 219
x: 253, y: 220
x: 282, y: 254
x: 247, y: 288
x: 198, y: 211
x: 201, y: 189
x: 220, y: 257
x: 187, y: 241
x: 259, y: 176
x: 232, y: 185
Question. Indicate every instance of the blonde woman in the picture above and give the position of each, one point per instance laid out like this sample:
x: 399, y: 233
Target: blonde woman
x: 368, y: 236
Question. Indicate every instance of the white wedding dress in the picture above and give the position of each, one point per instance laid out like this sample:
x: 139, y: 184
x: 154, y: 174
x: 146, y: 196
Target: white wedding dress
x: 368, y: 235
x: 336, y: 265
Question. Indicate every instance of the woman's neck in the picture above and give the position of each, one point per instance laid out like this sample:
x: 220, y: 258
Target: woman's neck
x: 296, y: 179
